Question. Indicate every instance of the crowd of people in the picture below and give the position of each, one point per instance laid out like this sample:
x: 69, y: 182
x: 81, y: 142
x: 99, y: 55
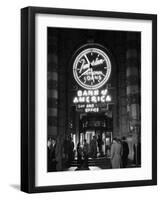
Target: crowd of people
x: 119, y: 151
x: 88, y: 150
x: 118, y: 156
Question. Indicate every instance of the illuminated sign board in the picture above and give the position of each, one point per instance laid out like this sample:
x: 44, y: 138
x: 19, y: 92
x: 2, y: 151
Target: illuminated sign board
x: 91, y: 70
x: 92, y: 100
x: 92, y: 67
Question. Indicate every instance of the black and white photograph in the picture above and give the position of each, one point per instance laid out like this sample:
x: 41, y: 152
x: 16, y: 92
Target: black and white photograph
x: 93, y: 105
x: 89, y: 89
x: 79, y: 100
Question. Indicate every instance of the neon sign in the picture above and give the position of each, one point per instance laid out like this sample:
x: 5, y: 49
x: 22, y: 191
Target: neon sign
x: 92, y: 67
x: 91, y: 100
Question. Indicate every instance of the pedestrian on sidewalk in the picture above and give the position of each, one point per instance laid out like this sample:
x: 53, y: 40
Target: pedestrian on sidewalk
x: 79, y: 155
x: 100, y: 143
x: 93, y: 147
x: 85, y: 154
x: 116, y: 152
x: 125, y: 152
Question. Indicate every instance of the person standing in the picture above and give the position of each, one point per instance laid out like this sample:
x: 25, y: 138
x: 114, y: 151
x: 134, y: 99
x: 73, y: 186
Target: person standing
x: 100, y: 143
x: 65, y: 149
x: 70, y: 148
x: 49, y: 146
x: 85, y: 154
x: 137, y: 154
x: 125, y: 152
x: 93, y: 146
x: 116, y: 151
x: 79, y: 155
x: 53, y: 155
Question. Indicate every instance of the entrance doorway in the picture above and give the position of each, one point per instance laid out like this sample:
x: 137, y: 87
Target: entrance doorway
x: 94, y: 127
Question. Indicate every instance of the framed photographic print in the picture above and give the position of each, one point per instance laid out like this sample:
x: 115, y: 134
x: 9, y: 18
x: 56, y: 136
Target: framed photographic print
x: 88, y: 99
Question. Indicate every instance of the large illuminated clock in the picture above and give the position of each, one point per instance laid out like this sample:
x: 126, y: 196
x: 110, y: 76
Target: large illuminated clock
x: 92, y: 67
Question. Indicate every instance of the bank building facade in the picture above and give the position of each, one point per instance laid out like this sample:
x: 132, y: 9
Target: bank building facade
x: 94, y: 89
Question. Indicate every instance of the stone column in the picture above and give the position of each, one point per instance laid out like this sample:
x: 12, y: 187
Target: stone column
x: 62, y: 101
x: 133, y: 84
x: 121, y: 85
x: 52, y: 91
x: 53, y: 115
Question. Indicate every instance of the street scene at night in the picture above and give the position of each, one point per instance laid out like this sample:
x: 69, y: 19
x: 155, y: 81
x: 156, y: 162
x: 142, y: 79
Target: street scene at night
x: 94, y: 95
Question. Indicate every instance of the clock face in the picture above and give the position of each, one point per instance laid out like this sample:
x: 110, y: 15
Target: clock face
x: 92, y: 68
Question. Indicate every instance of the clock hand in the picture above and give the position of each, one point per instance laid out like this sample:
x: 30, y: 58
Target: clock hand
x: 87, y: 59
x: 84, y: 72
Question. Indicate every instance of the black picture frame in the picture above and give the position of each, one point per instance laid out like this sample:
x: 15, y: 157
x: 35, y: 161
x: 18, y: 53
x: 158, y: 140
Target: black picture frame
x: 28, y: 98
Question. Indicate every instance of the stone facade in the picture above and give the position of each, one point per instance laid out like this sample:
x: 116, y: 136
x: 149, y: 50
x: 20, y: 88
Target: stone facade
x: 124, y: 49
